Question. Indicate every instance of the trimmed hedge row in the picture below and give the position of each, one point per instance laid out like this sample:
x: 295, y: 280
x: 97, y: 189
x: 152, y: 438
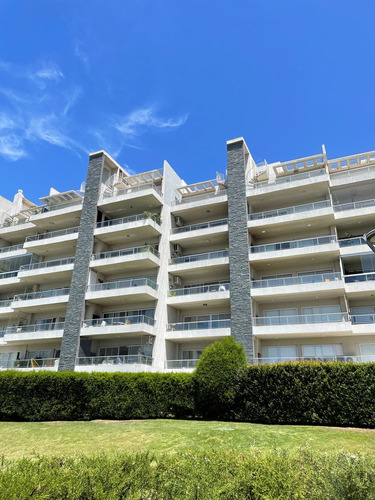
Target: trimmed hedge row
x: 335, y: 394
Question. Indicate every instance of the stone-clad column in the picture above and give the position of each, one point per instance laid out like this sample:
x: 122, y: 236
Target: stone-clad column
x: 76, y: 305
x: 239, y: 269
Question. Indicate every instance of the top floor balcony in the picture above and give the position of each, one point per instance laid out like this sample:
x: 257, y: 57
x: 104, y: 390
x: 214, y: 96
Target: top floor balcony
x: 354, y: 168
x: 201, y: 193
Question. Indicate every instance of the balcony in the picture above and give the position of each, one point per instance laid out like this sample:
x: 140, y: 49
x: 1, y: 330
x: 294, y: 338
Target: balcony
x: 200, y: 194
x: 324, y: 245
x: 359, y: 285
x: 324, y: 359
x: 121, y: 363
x: 134, y: 227
x: 291, y: 181
x: 61, y: 240
x: 348, y: 211
x: 34, y: 332
x: 216, y: 294
x: 6, y: 309
x: 201, y: 231
x: 202, y: 329
x: 363, y: 324
x: 12, y: 251
x: 196, y: 262
x: 56, y: 212
x: 181, y: 364
x: 50, y: 364
x: 146, y: 257
x: 143, y: 195
x: 129, y: 290
x: 16, y: 229
x: 326, y: 284
x: 350, y: 246
x: 118, y: 326
x: 9, y: 281
x: 302, y: 325
x: 48, y: 299
x: 47, y: 271
x: 355, y: 168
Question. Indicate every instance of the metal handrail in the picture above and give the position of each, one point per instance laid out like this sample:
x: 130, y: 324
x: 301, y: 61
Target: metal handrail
x: 301, y: 319
x: 132, y: 189
x: 181, y: 363
x: 48, y: 263
x: 45, y: 327
x: 5, y: 303
x: 9, y: 274
x: 288, y: 178
x: 348, y: 242
x: 359, y: 278
x: 52, y: 234
x: 114, y: 285
x: 199, y: 256
x: 354, y: 205
x: 121, y: 320
x: 42, y: 294
x: 289, y: 210
x: 128, y: 219
x: 201, y: 225
x: 50, y: 208
x: 362, y: 319
x: 125, y: 251
x: 217, y: 287
x: 11, y: 248
x: 36, y: 363
x: 284, y: 245
x: 199, y: 197
x: 141, y: 359
x: 199, y: 325
x: 297, y: 280
x: 325, y: 359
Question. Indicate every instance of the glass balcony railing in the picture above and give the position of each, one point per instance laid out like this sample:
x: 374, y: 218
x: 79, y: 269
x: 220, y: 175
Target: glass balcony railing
x: 128, y: 219
x: 302, y: 319
x: 285, y: 245
x: 10, y: 274
x: 129, y: 359
x: 349, y: 242
x: 51, y: 208
x: 325, y: 359
x: 36, y: 363
x: 200, y: 197
x: 217, y: 287
x: 53, y: 234
x: 115, y: 285
x: 44, y: 327
x: 133, y: 189
x: 122, y: 320
x: 5, y: 303
x: 199, y: 325
x: 11, y: 248
x: 201, y: 225
x: 363, y: 319
x: 42, y: 294
x: 297, y: 280
x: 181, y: 363
x: 48, y: 263
x: 308, y: 207
x: 289, y: 178
x: 359, y: 278
x: 125, y: 251
x: 200, y: 256
x: 354, y: 205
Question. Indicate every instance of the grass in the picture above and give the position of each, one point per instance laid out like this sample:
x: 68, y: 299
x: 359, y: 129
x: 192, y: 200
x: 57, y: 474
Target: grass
x: 20, y: 439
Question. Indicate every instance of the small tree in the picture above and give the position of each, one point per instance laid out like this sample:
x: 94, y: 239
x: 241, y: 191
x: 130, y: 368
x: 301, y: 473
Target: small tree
x: 217, y: 376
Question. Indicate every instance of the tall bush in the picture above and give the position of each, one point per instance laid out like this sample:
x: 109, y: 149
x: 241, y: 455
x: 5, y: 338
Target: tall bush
x: 218, y: 374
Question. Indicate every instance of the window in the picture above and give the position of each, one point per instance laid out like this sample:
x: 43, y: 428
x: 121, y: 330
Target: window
x: 322, y: 351
x: 192, y: 354
x: 281, y: 316
x: 367, y: 352
x: 279, y: 353
x: 321, y: 314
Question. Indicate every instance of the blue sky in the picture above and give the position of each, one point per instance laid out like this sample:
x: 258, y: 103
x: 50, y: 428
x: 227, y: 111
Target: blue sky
x: 153, y: 80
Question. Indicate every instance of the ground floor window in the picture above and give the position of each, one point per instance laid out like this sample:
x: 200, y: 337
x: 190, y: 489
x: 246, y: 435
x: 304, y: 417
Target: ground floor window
x: 367, y: 352
x: 280, y: 352
x: 324, y: 350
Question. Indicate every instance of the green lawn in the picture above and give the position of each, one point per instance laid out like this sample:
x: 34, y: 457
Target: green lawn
x: 170, y: 436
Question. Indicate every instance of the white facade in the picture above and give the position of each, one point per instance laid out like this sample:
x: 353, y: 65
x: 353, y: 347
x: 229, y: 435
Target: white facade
x: 159, y: 288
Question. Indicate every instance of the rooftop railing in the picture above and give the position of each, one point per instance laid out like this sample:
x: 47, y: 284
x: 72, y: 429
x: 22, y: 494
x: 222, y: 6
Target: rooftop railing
x: 359, y: 278
x: 217, y: 287
x: 48, y: 263
x: 285, y: 245
x: 181, y: 363
x: 36, y: 363
x: 200, y: 197
x: 355, y: 205
x: 10, y: 274
x: 349, y: 242
x: 11, y: 248
x: 115, y: 285
x: 289, y: 210
x: 363, y: 319
x: 128, y: 219
x: 201, y: 225
x: 200, y: 256
x: 42, y: 294
x: 297, y: 280
x: 44, y: 327
x: 199, y: 325
x: 325, y: 359
x: 121, y: 320
x: 129, y: 359
x: 125, y: 251
x: 351, y: 164
x: 133, y: 189
x: 52, y: 234
x: 289, y: 178
x: 302, y: 319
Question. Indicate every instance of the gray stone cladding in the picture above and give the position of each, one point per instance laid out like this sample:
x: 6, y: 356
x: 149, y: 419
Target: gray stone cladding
x: 76, y: 305
x: 239, y: 269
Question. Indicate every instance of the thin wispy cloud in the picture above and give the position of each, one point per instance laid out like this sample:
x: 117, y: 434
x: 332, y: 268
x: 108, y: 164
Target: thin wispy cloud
x: 81, y: 55
x: 47, y: 73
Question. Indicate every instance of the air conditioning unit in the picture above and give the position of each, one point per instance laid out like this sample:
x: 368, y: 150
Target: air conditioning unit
x: 177, y: 281
x: 179, y: 221
x: 177, y: 250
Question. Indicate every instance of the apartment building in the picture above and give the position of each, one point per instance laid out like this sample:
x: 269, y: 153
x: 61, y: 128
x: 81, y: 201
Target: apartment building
x: 142, y: 272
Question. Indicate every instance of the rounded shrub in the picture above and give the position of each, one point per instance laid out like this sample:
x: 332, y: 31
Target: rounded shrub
x: 217, y: 376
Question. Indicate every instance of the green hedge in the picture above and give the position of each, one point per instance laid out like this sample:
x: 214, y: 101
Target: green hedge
x: 198, y: 476
x: 335, y: 394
